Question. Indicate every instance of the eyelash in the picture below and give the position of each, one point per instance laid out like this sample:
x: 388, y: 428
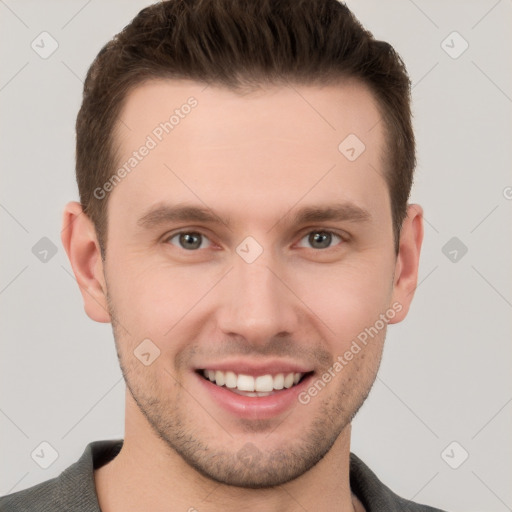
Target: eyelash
x: 342, y: 238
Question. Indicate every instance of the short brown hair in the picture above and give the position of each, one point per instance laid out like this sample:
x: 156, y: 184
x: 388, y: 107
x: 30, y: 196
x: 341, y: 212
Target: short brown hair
x: 241, y: 45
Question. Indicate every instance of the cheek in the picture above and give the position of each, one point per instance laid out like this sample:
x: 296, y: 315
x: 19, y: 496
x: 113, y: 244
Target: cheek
x: 346, y: 298
x: 155, y: 297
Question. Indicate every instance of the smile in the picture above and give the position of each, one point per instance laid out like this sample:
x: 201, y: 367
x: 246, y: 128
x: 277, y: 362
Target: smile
x: 253, y: 386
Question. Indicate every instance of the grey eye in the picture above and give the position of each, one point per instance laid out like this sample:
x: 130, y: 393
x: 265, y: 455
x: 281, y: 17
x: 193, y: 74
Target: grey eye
x: 189, y: 240
x: 320, y: 239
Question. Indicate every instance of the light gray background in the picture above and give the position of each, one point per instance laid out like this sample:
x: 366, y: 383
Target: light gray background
x: 446, y: 372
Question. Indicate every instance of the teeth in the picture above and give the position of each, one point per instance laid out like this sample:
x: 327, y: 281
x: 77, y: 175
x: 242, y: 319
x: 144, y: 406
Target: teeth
x: 288, y: 380
x: 279, y: 381
x: 244, y: 383
x: 262, y: 385
x: 231, y: 380
x: 219, y: 378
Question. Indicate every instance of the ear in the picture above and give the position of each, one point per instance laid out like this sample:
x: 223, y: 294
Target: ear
x: 80, y: 242
x: 407, y: 262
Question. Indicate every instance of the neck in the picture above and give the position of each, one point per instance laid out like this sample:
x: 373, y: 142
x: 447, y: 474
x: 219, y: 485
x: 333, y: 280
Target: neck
x: 148, y: 475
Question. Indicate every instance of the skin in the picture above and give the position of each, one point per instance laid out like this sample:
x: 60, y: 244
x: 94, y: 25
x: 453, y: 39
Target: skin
x: 254, y: 159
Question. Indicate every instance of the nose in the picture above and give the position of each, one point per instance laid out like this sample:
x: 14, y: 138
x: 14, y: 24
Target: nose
x: 257, y: 303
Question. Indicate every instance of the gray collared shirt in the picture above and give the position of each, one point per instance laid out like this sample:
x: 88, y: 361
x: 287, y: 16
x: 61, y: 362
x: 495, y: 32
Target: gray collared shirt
x: 74, y: 490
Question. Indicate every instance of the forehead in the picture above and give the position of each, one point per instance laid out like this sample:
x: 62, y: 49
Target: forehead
x: 269, y: 112
x: 211, y: 145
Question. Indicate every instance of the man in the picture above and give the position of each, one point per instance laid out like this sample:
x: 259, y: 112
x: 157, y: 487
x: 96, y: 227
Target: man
x: 244, y: 170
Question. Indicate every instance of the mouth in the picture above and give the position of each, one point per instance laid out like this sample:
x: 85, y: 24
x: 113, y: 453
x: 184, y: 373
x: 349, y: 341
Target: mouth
x: 254, y: 386
x: 254, y: 389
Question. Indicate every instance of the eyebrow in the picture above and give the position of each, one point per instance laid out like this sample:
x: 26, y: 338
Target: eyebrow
x: 162, y: 214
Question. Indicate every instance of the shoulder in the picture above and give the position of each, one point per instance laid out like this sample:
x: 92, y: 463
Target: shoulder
x: 73, y: 489
x: 41, y: 497
x: 375, y: 496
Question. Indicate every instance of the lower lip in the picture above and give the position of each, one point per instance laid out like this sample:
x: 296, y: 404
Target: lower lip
x: 260, y: 407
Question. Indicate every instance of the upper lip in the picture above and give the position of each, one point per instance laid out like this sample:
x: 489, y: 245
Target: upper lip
x: 256, y: 368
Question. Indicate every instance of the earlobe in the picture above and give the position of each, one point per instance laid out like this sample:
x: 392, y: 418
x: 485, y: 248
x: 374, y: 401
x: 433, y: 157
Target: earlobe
x: 407, y: 262
x: 80, y: 242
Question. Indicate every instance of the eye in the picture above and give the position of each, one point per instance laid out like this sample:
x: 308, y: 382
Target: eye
x: 320, y: 239
x: 188, y: 240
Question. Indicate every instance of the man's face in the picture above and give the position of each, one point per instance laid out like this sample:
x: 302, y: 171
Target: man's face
x: 260, y: 291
